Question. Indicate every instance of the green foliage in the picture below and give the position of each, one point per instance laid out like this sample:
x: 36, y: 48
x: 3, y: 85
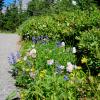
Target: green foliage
x: 47, y: 84
x: 63, y: 25
x: 90, y: 40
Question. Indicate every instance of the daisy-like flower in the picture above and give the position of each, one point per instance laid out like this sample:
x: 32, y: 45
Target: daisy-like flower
x: 50, y: 62
x: 62, y: 44
x: 69, y: 67
x: 74, y: 50
x: 74, y: 2
x: 84, y: 60
x: 33, y: 51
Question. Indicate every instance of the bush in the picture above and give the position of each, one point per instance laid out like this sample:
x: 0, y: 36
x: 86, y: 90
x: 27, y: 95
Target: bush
x: 90, y: 41
x: 40, y: 79
x: 63, y: 26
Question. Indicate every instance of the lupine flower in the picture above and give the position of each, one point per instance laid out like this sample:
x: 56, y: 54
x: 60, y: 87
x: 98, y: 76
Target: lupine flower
x: 50, y: 62
x: 34, y: 40
x: 69, y: 67
x: 74, y: 50
x: 12, y: 59
x: 66, y: 78
x: 74, y: 2
x: 84, y: 60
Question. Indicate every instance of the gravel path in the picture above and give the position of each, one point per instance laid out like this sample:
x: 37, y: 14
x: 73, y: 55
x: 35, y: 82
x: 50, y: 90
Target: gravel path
x: 8, y: 44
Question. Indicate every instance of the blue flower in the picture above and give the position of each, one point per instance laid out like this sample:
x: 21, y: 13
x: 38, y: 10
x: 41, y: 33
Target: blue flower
x: 66, y: 78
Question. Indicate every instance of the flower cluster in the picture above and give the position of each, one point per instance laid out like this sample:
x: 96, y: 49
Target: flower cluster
x: 13, y: 58
x: 42, y: 39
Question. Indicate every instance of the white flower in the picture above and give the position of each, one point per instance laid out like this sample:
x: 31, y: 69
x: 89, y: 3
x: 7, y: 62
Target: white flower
x: 33, y: 51
x: 25, y: 58
x: 33, y: 55
x: 69, y: 67
x: 62, y: 44
x: 74, y: 50
x: 50, y: 62
x: 61, y: 67
x: 32, y: 75
x: 74, y: 2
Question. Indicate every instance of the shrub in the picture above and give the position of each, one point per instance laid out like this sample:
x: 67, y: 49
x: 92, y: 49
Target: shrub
x: 90, y: 42
x: 65, y: 25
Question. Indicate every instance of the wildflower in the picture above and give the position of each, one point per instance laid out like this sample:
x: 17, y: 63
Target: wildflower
x: 69, y: 67
x: 84, y: 60
x: 50, y: 62
x: 62, y: 44
x: 74, y: 50
x: 25, y: 58
x: 34, y: 40
x: 12, y: 59
x: 33, y: 53
x: 42, y: 73
x: 66, y: 78
x: 74, y: 2
x: 32, y: 75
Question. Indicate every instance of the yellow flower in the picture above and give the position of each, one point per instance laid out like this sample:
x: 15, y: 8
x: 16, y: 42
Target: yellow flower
x: 32, y: 69
x: 42, y: 73
x: 79, y: 67
x: 84, y: 60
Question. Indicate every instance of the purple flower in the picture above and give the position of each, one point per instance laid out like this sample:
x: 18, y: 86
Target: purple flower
x: 59, y: 69
x: 12, y: 59
x: 66, y: 78
x: 34, y: 40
